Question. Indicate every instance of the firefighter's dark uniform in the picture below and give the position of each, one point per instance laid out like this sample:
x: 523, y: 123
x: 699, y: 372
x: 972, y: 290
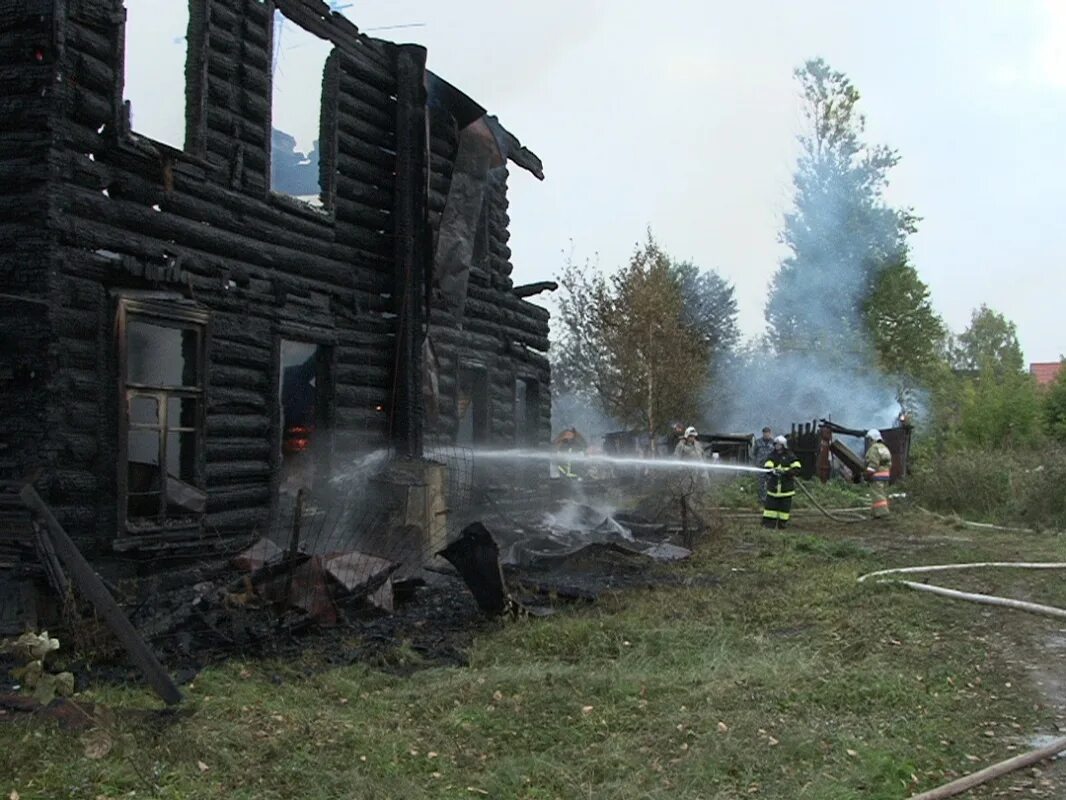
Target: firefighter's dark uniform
x: 781, y: 488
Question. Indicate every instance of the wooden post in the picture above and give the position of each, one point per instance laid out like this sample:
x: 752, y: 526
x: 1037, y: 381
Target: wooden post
x: 89, y: 583
x: 411, y: 225
x: 294, y: 539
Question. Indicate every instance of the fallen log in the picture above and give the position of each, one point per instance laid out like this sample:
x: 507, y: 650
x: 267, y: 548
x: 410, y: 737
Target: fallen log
x: 89, y: 584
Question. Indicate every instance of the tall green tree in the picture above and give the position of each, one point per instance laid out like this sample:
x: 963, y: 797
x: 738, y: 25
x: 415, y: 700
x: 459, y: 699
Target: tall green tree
x: 632, y: 345
x: 840, y: 233
x: 909, y: 337
x: 992, y: 401
x: 989, y: 344
x: 709, y: 306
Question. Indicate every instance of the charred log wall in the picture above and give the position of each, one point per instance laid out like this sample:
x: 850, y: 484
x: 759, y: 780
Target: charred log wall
x: 27, y: 56
x: 499, y: 332
x: 135, y: 215
x: 92, y: 212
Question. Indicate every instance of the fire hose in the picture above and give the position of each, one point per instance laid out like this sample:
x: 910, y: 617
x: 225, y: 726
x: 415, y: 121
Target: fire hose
x: 1051, y: 749
x: 826, y: 511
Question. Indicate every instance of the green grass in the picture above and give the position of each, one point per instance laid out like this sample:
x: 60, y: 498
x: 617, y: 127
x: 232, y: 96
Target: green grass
x: 786, y: 680
x: 743, y: 493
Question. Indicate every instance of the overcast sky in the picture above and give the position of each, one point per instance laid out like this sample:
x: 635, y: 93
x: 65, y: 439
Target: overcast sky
x: 682, y: 115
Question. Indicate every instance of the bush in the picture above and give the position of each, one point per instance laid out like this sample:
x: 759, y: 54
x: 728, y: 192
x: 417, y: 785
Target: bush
x: 994, y: 485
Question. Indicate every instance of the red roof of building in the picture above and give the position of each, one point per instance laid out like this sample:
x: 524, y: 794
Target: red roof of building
x: 1046, y: 372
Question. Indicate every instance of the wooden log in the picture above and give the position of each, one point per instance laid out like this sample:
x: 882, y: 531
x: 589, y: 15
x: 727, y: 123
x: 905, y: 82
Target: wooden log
x: 90, y: 585
x: 237, y: 449
x: 357, y: 87
x: 241, y: 519
x: 355, y: 108
x: 237, y: 425
x: 237, y: 377
x: 239, y: 496
x: 231, y: 472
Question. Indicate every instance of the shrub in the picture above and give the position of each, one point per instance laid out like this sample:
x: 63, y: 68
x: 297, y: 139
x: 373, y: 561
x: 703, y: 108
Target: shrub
x: 994, y: 485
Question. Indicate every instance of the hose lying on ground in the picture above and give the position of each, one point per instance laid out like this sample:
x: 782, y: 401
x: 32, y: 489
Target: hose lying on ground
x: 996, y: 770
x: 986, y: 599
x: 988, y: 526
x: 827, y: 512
x: 1017, y: 762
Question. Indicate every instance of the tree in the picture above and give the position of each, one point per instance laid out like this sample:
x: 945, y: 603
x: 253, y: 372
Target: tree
x: 908, y: 335
x: 841, y: 234
x: 630, y: 344
x: 709, y: 306
x: 992, y: 402
x: 1055, y: 406
x: 989, y: 344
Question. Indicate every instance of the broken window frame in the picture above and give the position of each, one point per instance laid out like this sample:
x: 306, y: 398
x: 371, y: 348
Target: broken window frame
x: 183, y: 319
x: 327, y: 125
x: 195, y: 74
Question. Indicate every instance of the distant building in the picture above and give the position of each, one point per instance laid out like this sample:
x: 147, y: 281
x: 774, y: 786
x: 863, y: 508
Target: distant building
x: 1045, y: 372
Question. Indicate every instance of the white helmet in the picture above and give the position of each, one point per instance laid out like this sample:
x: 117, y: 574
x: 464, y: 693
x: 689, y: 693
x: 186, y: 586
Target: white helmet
x: 874, y: 434
x: 690, y: 431
x: 781, y: 440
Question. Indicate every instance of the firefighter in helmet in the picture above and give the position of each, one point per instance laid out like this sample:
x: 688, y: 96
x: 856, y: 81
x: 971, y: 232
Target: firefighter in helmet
x: 781, y: 488
x: 878, y: 471
x: 567, y: 444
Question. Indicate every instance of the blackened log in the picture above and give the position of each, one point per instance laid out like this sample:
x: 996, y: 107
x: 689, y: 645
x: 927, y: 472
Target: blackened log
x: 233, y: 376
x: 238, y: 425
x: 355, y: 108
x: 237, y: 449
x: 228, y: 499
x: 531, y: 289
x: 357, y: 87
x: 241, y: 519
x: 90, y: 585
x: 229, y: 472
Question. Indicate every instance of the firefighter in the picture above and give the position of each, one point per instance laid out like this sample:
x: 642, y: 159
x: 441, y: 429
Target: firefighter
x: 673, y: 439
x: 567, y: 444
x: 878, y: 471
x: 784, y: 467
x: 689, y: 448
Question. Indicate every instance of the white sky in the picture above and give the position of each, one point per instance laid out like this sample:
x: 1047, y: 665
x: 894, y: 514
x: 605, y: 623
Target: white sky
x: 682, y: 115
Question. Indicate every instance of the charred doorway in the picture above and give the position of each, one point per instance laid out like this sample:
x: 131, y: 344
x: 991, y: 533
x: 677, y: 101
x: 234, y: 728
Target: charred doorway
x: 304, y: 401
x: 473, y: 406
x: 526, y: 412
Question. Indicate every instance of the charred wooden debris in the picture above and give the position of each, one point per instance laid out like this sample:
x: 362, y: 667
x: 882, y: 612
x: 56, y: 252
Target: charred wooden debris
x: 195, y: 339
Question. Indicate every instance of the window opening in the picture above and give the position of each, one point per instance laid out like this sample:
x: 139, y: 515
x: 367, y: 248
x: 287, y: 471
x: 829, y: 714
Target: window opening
x: 156, y: 50
x: 163, y: 393
x: 298, y: 67
x: 473, y: 406
x: 302, y: 394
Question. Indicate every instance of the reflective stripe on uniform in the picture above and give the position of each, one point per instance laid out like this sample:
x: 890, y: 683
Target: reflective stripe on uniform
x: 880, y: 504
x: 781, y: 494
x: 771, y: 514
x: 883, y: 475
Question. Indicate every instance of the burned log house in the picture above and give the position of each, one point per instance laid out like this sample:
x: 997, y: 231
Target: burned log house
x: 190, y: 330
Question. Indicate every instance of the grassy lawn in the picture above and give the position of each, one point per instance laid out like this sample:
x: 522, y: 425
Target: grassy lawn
x: 785, y: 679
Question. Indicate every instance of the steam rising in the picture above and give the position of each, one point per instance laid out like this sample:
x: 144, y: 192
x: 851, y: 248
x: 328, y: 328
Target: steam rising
x: 760, y: 388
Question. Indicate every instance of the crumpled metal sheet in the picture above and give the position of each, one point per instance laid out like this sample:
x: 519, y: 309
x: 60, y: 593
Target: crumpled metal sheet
x: 457, y: 237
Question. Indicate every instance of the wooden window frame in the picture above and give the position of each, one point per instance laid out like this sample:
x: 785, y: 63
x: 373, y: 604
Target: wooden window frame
x: 167, y: 316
